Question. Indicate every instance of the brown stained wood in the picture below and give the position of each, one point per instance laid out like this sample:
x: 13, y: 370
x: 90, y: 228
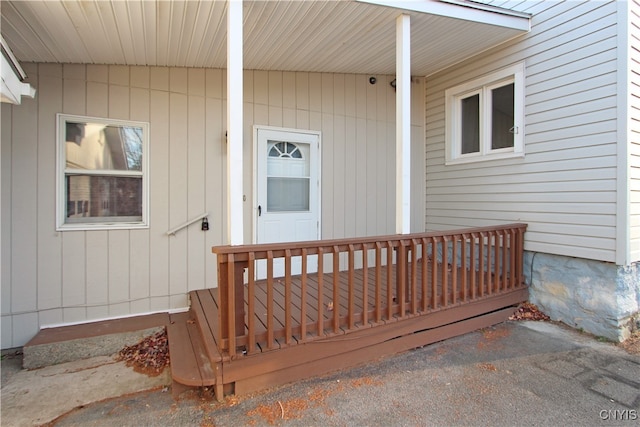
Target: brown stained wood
x: 287, y: 298
x: 205, y: 364
x: 472, y: 265
x: 343, y: 344
x: 512, y: 263
x: 481, y: 264
x: 270, y: 316
x: 414, y: 278
x: 338, y: 361
x: 351, y: 287
x: 378, y: 280
x: 205, y: 314
x: 454, y: 270
x: 303, y: 298
x: 401, y: 279
x: 390, y: 296
x: 336, y: 290
x: 320, y: 301
x: 438, y: 286
x: 96, y: 329
x: 444, y: 270
x: 424, y: 269
x: 463, y: 258
x: 190, y: 365
x: 314, y: 246
x: 434, y: 273
x: 365, y: 287
x: 251, y: 306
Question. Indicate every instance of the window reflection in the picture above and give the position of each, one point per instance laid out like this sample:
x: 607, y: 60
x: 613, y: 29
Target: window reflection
x: 95, y: 146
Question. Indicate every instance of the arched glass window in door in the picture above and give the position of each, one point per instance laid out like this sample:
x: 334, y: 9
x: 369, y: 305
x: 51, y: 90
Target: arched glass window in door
x: 285, y: 149
x: 288, y: 176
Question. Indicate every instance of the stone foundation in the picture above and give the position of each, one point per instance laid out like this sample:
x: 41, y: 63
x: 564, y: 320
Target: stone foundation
x: 598, y: 297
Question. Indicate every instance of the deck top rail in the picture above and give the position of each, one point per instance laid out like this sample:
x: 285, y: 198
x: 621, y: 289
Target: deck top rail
x: 303, y: 291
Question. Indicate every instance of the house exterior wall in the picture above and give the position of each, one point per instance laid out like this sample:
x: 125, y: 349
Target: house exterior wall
x: 634, y: 128
x: 52, y: 278
x: 565, y: 186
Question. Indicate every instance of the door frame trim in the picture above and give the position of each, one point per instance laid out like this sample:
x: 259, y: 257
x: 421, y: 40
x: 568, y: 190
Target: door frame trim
x: 254, y: 190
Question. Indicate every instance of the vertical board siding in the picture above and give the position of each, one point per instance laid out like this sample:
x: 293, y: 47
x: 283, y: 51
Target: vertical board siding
x: 565, y: 186
x: 52, y: 278
x: 634, y: 129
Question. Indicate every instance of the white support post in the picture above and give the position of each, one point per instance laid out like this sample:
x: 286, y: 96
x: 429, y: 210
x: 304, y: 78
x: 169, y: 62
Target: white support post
x: 403, y: 124
x: 234, y: 122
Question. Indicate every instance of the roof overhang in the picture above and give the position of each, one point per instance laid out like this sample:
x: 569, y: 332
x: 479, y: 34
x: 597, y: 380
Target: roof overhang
x: 314, y: 36
x: 462, y: 9
x: 12, y: 89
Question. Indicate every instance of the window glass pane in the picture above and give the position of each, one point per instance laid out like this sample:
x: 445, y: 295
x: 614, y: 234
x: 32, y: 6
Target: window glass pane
x: 286, y: 159
x: 470, y: 123
x: 287, y: 194
x: 107, y: 197
x: 502, y: 117
x: 95, y: 146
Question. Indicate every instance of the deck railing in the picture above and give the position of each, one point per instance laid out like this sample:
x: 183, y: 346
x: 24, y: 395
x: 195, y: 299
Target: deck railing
x: 331, y: 287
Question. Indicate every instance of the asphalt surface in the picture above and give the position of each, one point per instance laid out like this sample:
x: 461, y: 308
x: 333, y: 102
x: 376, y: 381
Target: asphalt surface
x: 513, y: 374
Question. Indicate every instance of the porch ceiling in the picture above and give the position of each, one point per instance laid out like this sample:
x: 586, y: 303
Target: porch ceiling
x: 317, y: 36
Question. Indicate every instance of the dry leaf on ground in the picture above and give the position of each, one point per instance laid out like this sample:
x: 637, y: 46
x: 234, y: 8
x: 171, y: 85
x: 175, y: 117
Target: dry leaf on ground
x: 150, y: 356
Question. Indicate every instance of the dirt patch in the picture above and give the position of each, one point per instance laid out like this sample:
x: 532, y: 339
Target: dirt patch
x: 487, y: 367
x: 491, y: 338
x: 149, y: 356
x: 296, y: 407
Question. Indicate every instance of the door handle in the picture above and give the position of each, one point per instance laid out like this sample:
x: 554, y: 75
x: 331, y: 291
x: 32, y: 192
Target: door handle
x: 259, y: 210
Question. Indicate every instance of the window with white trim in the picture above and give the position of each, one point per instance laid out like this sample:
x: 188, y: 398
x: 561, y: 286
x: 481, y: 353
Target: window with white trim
x: 485, y: 117
x: 102, y: 179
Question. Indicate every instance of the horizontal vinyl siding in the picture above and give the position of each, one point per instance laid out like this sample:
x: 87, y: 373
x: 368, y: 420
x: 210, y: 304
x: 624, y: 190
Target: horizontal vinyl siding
x: 565, y: 186
x: 634, y: 131
x: 52, y: 278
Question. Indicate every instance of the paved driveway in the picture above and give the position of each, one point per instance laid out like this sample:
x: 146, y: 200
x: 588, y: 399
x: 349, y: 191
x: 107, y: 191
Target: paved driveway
x: 517, y: 373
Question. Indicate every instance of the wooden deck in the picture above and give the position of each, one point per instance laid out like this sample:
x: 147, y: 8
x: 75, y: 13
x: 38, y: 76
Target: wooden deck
x: 415, y: 292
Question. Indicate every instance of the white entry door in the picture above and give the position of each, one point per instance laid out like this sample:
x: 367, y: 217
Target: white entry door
x: 287, y: 191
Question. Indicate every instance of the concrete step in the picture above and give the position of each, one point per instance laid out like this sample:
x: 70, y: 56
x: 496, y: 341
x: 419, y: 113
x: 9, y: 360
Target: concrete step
x: 52, y: 346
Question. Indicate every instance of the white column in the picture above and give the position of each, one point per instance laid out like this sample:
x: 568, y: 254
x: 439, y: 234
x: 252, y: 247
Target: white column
x: 234, y: 122
x: 403, y: 124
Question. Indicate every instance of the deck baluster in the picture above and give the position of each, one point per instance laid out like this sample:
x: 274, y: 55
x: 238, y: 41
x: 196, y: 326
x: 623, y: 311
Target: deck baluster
x: 336, y: 290
x: 270, y: 317
x: 320, y: 314
x: 481, y: 262
x: 378, y: 312
x: 303, y: 296
x: 414, y: 278
x: 288, y: 335
x: 465, y: 268
x: 390, y: 296
x: 365, y: 285
x: 251, y: 305
x: 351, y: 287
x: 445, y: 271
x: 434, y: 273
x: 454, y: 269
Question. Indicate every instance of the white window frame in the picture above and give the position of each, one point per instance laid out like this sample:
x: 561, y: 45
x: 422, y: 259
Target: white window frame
x: 62, y: 172
x: 483, y: 86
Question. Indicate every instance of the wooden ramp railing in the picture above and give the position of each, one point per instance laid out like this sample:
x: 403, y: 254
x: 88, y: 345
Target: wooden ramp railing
x: 335, y: 287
